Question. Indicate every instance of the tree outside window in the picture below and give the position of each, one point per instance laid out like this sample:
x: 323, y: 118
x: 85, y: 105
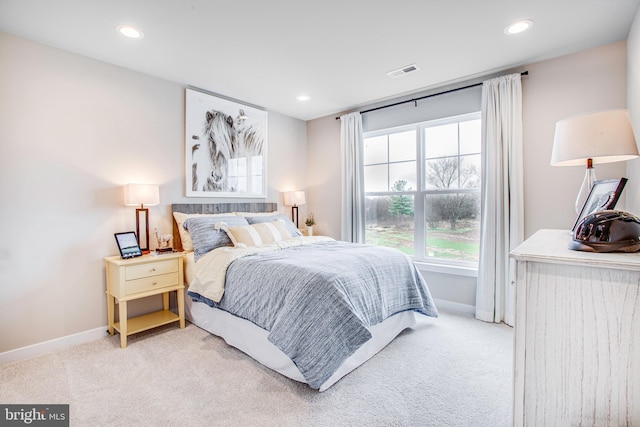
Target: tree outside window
x: 444, y: 188
x: 401, y: 205
x: 445, y: 174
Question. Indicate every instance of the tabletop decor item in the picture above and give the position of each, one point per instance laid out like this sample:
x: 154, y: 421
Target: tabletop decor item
x: 163, y: 240
x: 294, y: 199
x: 310, y: 222
x: 604, y: 195
x: 141, y: 195
x: 590, y: 139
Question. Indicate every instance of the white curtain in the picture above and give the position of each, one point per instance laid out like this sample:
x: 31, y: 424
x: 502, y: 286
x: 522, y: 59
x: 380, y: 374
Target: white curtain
x: 351, y: 144
x: 502, y: 215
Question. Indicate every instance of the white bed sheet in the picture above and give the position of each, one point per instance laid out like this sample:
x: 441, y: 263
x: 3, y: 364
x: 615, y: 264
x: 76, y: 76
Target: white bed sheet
x: 252, y: 340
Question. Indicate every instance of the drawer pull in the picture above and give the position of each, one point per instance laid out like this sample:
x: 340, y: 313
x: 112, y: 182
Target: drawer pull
x: 153, y: 269
x: 154, y: 283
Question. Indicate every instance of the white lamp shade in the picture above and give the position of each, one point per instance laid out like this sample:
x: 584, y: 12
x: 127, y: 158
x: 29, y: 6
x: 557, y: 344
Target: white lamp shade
x: 603, y: 136
x: 294, y: 198
x: 141, y: 194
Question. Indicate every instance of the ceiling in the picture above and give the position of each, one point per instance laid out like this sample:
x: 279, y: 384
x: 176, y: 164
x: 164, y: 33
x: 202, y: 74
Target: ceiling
x: 337, y: 52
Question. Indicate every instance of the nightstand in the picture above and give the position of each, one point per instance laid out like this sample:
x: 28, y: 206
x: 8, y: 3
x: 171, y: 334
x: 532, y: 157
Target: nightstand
x: 134, y: 278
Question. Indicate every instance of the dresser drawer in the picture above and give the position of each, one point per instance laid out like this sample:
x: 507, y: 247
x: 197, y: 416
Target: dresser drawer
x: 152, y: 283
x: 157, y: 268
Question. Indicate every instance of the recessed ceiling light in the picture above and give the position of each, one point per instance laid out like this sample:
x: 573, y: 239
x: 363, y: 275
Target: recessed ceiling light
x: 129, y: 31
x: 303, y: 98
x: 518, y: 27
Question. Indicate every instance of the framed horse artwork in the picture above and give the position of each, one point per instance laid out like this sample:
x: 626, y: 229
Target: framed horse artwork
x: 225, y: 147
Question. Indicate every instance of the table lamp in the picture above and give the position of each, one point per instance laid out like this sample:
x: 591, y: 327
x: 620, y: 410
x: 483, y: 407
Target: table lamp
x: 294, y: 199
x: 592, y: 138
x: 142, y: 194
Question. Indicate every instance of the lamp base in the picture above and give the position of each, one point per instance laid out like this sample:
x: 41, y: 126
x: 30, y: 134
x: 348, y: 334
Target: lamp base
x: 294, y: 212
x: 142, y: 230
x: 585, y: 189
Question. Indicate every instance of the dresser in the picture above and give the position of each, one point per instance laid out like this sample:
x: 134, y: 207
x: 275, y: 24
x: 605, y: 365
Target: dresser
x: 577, y: 335
x: 141, y: 277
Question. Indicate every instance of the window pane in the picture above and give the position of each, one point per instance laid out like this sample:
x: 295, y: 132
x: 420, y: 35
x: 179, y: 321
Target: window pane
x: 241, y: 166
x: 441, y: 141
x: 453, y: 226
x: 470, y: 171
x: 389, y: 222
x: 256, y: 165
x: 256, y: 183
x: 376, y: 178
x: 402, y: 146
x: 233, y: 183
x: 375, y: 150
x: 242, y: 184
x: 441, y: 174
x: 232, y: 166
x: 470, y: 137
x: 405, y: 171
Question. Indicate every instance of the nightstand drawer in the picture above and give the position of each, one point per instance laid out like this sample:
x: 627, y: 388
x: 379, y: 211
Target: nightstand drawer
x: 152, y: 283
x: 157, y: 268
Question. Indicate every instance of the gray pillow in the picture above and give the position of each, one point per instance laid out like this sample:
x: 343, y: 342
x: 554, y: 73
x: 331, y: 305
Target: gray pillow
x: 205, y: 236
x: 291, y: 227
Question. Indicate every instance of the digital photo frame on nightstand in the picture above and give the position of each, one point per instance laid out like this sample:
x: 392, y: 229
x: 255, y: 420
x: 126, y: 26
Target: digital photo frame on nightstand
x: 128, y: 244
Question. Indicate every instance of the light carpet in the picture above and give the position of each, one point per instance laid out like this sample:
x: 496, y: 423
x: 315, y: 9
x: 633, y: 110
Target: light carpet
x: 449, y: 371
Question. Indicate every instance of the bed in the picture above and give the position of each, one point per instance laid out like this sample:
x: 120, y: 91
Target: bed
x: 310, y: 308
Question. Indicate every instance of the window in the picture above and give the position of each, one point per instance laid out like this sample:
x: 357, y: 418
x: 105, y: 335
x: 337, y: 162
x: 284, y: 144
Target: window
x: 245, y: 174
x: 422, y: 189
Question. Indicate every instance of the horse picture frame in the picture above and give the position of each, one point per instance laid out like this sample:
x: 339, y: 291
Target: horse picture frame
x: 225, y: 147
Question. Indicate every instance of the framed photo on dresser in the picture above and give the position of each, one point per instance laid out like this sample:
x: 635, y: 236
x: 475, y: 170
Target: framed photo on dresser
x: 603, y: 195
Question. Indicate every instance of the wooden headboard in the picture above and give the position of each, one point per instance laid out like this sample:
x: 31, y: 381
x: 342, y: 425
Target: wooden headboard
x: 215, y: 208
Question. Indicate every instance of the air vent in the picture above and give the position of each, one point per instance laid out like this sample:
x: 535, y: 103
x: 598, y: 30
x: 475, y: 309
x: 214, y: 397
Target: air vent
x: 403, y: 71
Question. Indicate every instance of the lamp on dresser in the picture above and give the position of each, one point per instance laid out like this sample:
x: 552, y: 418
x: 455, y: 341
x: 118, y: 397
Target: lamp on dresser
x: 294, y: 199
x: 141, y: 195
x: 592, y: 138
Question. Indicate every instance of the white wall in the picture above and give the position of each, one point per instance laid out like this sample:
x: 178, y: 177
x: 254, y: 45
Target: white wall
x: 591, y: 80
x: 632, y: 189
x: 586, y: 81
x: 73, y: 131
x: 324, y: 185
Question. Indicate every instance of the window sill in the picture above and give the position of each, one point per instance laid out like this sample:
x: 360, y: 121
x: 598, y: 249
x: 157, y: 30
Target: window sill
x: 458, y: 270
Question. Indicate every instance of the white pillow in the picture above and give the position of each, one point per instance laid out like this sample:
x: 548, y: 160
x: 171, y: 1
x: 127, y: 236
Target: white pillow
x: 185, y: 236
x: 257, y: 234
x: 291, y: 227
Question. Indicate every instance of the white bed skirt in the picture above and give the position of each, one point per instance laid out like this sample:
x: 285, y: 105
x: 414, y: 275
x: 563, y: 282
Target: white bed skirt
x: 252, y: 339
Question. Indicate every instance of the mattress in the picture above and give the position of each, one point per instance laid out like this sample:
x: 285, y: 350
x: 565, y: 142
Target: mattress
x: 252, y: 340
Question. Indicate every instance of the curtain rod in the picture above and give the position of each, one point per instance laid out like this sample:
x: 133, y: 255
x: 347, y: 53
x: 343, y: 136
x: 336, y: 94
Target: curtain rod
x: 524, y: 73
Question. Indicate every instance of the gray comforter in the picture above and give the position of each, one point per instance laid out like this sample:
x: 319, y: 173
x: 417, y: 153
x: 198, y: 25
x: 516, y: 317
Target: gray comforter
x: 317, y: 300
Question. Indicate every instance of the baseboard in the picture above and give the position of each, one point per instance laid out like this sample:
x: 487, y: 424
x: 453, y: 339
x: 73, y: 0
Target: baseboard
x: 455, y: 306
x: 52, y: 345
